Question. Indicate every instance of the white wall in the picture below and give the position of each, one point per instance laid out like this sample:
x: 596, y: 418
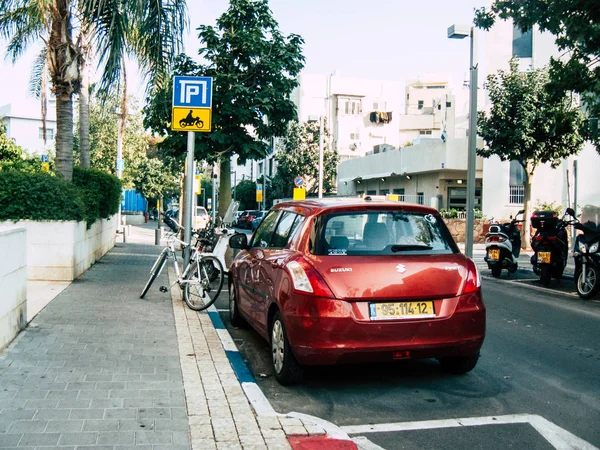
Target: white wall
x: 13, y: 283
x: 61, y: 251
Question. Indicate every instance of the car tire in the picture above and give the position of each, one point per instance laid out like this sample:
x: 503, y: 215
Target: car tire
x: 496, y: 270
x: 459, y: 365
x: 234, y: 311
x: 286, y: 368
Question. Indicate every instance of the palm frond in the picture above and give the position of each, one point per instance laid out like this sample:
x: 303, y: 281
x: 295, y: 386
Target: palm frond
x: 39, y: 70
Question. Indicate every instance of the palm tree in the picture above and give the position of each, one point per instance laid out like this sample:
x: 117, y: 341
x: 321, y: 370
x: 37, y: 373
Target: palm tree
x: 150, y: 30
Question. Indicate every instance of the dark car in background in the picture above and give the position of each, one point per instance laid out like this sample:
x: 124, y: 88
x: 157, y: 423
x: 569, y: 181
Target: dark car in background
x: 258, y: 219
x: 245, y: 221
x: 335, y: 281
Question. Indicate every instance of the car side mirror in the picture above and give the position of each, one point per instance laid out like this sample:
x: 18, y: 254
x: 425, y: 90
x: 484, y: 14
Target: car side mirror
x: 521, y: 212
x: 239, y: 241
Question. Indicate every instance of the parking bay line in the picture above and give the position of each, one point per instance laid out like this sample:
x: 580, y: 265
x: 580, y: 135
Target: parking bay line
x: 558, y: 437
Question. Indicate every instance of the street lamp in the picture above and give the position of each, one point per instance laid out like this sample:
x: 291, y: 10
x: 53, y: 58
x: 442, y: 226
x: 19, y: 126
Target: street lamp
x: 459, y: 32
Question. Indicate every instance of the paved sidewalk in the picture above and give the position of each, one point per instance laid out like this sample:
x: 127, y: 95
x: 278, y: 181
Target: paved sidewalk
x: 100, y: 368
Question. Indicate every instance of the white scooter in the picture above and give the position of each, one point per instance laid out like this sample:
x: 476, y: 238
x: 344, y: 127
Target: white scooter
x: 503, y: 246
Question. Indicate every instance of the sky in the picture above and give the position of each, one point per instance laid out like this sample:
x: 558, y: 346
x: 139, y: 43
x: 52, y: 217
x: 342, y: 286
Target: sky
x: 386, y: 39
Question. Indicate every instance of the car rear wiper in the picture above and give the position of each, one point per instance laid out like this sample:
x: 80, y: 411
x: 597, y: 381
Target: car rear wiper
x: 400, y: 248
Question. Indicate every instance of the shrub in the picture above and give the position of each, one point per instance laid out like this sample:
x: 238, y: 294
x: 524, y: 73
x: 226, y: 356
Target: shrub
x: 38, y: 196
x: 100, y: 191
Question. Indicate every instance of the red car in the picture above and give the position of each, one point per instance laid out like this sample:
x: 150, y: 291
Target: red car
x: 333, y: 281
x: 245, y: 221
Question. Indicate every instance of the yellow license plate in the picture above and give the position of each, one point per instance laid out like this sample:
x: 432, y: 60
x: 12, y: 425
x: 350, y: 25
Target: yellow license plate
x: 494, y: 254
x: 401, y: 310
x: 543, y: 257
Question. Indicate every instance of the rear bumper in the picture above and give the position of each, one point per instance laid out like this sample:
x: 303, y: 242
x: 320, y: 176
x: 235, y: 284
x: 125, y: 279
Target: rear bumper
x: 336, y: 335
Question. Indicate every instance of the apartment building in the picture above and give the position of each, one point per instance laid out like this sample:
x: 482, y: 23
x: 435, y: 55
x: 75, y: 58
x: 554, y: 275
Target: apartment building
x: 24, y: 124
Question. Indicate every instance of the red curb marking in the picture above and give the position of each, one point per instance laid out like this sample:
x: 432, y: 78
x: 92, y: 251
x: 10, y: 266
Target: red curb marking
x: 320, y: 443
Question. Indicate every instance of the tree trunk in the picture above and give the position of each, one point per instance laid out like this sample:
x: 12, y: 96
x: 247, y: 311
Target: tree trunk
x: 64, y: 137
x: 526, y: 234
x: 124, y: 99
x: 84, y: 117
x: 44, y: 101
x: 63, y: 62
x: 224, y: 185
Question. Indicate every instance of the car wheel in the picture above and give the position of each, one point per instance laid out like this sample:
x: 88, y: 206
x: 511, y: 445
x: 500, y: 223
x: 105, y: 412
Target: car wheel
x: 234, y: 312
x: 286, y: 368
x: 459, y: 365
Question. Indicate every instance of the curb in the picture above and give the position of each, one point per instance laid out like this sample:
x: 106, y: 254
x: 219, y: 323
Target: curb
x: 322, y: 435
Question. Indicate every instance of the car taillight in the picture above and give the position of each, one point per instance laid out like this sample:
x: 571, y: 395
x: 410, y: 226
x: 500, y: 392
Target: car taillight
x: 473, y: 281
x: 306, y: 279
x: 496, y: 239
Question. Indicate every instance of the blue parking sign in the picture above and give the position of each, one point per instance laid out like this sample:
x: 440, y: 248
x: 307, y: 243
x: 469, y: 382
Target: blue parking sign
x: 192, y: 92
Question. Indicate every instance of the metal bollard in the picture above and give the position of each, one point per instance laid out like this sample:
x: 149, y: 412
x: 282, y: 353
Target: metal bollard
x: 157, y: 236
x: 125, y: 233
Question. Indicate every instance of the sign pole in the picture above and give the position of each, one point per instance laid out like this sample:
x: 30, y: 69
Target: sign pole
x: 189, y: 195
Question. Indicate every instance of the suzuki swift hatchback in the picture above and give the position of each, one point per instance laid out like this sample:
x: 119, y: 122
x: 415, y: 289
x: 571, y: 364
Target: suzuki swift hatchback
x: 350, y: 280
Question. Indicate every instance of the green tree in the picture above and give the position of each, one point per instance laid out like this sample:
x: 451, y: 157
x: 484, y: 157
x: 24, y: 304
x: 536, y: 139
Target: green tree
x: 154, y: 180
x: 526, y: 125
x: 300, y: 157
x: 254, y: 69
x: 148, y: 29
x: 14, y: 157
x: 245, y: 193
x: 103, y: 139
x: 576, y: 26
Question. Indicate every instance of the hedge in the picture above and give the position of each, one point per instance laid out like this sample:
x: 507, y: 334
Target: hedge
x: 92, y: 195
x: 38, y: 196
x: 100, y: 191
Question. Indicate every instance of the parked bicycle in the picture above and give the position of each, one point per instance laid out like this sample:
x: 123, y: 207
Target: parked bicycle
x: 201, y: 280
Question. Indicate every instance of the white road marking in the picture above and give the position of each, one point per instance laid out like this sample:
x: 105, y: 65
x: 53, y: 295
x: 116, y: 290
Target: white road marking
x: 364, y: 444
x: 559, y: 438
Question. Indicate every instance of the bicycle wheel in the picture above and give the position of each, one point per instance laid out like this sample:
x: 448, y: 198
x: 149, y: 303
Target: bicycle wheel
x: 201, y: 289
x: 156, y: 269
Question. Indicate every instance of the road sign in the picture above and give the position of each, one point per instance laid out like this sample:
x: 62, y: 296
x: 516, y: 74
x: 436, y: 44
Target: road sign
x: 191, y: 119
x: 299, y: 194
x: 192, y: 104
x: 192, y: 92
x: 45, y: 166
x: 299, y: 181
x: 45, y: 159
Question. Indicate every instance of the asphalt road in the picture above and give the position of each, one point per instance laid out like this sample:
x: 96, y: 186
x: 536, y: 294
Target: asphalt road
x: 540, y: 361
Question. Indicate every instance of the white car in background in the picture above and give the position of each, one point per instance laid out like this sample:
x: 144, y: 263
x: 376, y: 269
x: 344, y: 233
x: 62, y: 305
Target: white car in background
x: 201, y: 218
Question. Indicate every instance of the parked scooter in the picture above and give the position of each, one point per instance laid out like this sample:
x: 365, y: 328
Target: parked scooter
x: 550, y: 244
x: 503, y: 246
x: 586, y: 254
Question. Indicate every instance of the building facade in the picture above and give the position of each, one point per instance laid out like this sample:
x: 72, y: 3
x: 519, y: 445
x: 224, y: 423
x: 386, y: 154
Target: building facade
x: 24, y: 125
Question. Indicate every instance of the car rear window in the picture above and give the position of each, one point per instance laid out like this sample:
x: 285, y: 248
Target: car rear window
x: 381, y: 233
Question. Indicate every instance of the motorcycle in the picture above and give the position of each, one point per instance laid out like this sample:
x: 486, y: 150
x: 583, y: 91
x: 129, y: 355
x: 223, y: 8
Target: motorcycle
x: 191, y: 122
x: 585, y: 252
x: 550, y: 244
x: 503, y: 246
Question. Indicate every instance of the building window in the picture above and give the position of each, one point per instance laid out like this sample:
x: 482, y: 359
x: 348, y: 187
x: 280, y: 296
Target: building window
x: 522, y: 44
x: 380, y: 106
x: 271, y: 167
x: 517, y: 181
x: 424, y: 132
x: 49, y: 134
x: 371, y: 192
x: 360, y: 192
x: 400, y: 192
x: 420, y: 104
x: 448, y: 104
x: 355, y: 136
x: 352, y: 107
x: 420, y: 198
x: 436, y: 87
x: 384, y: 191
x: 260, y: 168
